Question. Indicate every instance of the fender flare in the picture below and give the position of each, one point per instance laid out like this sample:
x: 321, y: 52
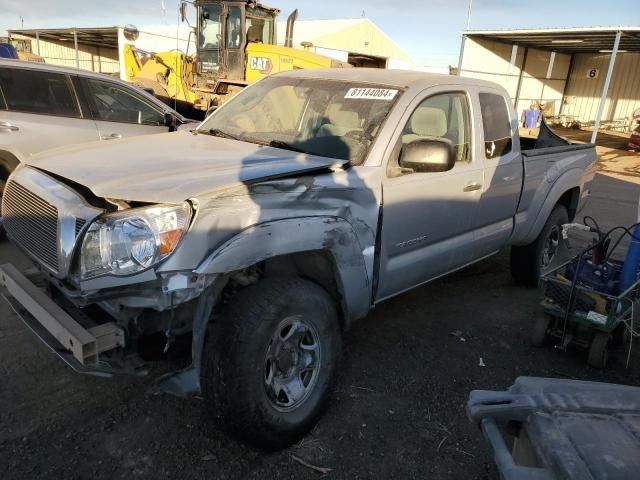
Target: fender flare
x: 295, y: 235
x: 565, y: 182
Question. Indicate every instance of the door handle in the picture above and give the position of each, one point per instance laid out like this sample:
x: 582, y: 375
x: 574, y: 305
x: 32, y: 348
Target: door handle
x: 8, y: 126
x: 111, y: 136
x: 472, y: 187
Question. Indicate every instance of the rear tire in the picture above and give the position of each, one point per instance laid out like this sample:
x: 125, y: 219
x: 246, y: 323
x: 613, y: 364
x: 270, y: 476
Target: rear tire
x: 528, y: 262
x: 599, y: 350
x: 268, y: 371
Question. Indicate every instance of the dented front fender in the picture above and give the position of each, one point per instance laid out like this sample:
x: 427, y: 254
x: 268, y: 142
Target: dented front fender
x: 295, y: 235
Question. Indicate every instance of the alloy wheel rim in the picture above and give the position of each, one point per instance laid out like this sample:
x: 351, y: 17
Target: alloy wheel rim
x: 292, y: 363
x: 551, y: 246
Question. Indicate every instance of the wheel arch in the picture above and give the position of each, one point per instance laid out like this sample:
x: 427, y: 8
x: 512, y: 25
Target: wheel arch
x: 325, y: 250
x: 565, y: 191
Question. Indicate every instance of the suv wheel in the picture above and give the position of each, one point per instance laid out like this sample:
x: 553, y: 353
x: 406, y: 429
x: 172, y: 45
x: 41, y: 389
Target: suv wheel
x: 268, y: 369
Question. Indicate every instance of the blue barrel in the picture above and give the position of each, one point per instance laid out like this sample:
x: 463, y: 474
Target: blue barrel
x: 531, y: 118
x: 8, y: 51
x: 629, y: 273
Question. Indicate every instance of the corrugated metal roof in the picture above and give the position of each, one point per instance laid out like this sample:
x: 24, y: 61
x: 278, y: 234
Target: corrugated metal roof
x: 103, y: 37
x: 566, y: 40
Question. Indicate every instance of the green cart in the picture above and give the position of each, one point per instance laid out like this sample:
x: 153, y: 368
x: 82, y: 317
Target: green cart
x: 581, y: 307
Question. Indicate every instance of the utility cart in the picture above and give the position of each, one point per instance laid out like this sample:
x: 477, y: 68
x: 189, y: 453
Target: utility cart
x: 582, y: 305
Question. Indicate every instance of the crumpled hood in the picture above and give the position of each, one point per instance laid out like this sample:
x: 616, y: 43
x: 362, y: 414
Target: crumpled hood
x: 171, y: 167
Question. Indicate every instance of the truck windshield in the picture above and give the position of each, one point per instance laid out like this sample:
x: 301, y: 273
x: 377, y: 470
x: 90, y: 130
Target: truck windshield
x: 322, y: 117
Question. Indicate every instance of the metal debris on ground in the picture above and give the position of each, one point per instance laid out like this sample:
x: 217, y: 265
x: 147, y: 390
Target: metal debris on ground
x: 458, y: 335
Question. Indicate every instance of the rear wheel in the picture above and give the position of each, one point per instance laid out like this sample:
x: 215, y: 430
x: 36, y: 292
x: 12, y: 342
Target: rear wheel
x: 268, y: 371
x: 530, y: 261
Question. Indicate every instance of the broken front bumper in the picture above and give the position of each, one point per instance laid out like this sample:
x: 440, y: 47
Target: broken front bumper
x: 78, y: 346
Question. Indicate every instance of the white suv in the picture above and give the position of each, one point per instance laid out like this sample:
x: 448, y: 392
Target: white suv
x: 44, y: 106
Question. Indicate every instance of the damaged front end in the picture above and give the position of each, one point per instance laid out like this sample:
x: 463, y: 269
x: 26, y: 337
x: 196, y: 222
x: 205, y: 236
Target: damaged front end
x: 96, y: 291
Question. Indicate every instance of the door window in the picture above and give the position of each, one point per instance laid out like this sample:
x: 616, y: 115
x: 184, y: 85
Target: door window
x: 443, y: 116
x: 114, y: 103
x: 496, y: 125
x: 210, y: 29
x: 234, y: 28
x: 33, y: 91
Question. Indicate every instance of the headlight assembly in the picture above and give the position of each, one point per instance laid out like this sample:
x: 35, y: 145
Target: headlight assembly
x: 129, y: 242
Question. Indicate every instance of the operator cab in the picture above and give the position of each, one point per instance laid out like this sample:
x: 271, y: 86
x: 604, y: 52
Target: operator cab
x: 223, y: 30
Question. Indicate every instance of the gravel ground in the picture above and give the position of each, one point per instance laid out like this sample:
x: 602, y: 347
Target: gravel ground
x: 397, y: 410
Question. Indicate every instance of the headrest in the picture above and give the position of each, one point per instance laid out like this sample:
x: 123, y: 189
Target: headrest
x: 344, y: 118
x: 429, y: 122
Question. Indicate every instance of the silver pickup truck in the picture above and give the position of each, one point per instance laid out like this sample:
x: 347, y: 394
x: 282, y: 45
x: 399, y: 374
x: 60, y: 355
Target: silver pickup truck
x: 262, y: 235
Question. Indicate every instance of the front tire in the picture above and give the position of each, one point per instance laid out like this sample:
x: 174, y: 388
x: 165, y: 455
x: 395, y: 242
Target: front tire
x: 528, y: 262
x: 268, y: 371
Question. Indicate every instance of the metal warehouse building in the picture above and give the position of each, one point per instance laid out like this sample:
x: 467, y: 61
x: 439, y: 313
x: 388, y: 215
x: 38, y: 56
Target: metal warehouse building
x: 357, y: 41
x: 588, y: 76
x: 97, y: 49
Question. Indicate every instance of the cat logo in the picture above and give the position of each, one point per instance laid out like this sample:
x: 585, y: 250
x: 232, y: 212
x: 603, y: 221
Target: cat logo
x: 262, y: 64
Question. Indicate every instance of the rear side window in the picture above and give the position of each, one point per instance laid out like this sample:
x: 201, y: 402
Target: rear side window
x: 117, y: 103
x: 496, y: 125
x: 31, y: 91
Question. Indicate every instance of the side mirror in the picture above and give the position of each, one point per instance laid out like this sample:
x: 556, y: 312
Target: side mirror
x: 210, y: 110
x: 428, y: 155
x: 183, y: 12
x: 171, y: 121
x: 130, y: 32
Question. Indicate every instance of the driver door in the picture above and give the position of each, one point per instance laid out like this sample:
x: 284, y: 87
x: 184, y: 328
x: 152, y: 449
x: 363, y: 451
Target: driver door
x: 429, y: 219
x: 120, y: 111
x: 234, y: 52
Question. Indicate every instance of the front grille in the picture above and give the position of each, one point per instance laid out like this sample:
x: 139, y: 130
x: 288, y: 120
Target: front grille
x: 32, y: 223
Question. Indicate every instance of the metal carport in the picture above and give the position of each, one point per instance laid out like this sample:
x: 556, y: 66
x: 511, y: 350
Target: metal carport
x: 505, y: 53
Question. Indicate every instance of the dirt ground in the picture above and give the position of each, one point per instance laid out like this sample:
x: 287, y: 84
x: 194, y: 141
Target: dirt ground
x: 397, y: 410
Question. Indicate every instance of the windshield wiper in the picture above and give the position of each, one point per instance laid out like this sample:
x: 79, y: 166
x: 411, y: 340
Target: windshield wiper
x: 285, y: 146
x: 216, y: 132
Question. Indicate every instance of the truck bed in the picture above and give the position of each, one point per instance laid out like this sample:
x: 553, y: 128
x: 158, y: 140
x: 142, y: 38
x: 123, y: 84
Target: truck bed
x: 549, y: 142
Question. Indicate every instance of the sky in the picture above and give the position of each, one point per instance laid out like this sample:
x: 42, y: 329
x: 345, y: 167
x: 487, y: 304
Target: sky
x: 428, y: 30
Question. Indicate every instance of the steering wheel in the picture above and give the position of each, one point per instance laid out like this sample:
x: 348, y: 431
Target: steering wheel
x: 358, y: 135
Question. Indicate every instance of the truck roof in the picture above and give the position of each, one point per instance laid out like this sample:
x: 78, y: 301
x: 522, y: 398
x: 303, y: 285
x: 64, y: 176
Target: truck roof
x: 392, y: 78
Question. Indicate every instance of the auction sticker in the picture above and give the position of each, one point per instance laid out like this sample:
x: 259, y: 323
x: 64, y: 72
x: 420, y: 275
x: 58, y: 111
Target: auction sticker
x: 371, y: 93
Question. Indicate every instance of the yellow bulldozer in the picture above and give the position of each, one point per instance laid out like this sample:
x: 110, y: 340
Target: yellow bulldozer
x: 235, y: 46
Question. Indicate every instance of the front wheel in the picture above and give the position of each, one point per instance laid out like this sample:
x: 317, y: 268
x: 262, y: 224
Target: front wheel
x: 268, y: 370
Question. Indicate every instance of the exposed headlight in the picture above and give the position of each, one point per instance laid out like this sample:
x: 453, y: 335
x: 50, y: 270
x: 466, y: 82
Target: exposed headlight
x: 132, y: 241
